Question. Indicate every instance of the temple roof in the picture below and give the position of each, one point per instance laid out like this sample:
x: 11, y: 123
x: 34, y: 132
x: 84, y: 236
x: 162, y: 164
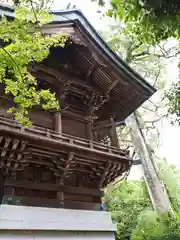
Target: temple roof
x: 94, y: 64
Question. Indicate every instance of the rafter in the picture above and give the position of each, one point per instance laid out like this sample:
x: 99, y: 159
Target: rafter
x: 90, y: 71
x: 20, y: 154
x: 15, y: 144
x: 113, y: 85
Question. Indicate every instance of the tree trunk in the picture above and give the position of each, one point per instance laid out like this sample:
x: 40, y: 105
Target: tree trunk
x: 158, y: 195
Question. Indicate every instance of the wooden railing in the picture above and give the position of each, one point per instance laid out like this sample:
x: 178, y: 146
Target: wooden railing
x: 64, y: 138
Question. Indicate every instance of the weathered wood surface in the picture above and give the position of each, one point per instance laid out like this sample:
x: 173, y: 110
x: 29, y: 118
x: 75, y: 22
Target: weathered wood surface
x: 46, y: 186
x: 51, y: 203
x: 44, y: 156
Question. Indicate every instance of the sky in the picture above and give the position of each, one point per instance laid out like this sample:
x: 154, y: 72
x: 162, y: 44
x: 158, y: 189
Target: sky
x: 170, y: 135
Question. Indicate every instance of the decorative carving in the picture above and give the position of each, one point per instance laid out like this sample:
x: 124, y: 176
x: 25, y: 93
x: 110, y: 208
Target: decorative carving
x: 71, y: 152
x: 96, y: 101
x: 105, y: 173
x: 68, y: 163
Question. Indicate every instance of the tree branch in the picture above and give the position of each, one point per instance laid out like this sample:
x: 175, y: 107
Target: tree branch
x: 157, y: 119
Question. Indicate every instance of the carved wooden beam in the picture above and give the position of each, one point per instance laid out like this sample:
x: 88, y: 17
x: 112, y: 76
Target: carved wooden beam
x: 41, y: 162
x: 15, y: 143
x: 96, y: 102
x: 111, y: 172
x: 54, y: 144
x: 63, y: 93
x: 67, y: 165
x: 6, y: 144
x: 4, y: 150
x: 73, y: 86
x: 20, y: 155
x: 60, y: 76
x: 105, y: 172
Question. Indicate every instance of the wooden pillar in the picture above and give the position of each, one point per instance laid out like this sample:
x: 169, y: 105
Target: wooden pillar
x: 89, y: 129
x: 60, y: 194
x: 60, y: 197
x: 113, y: 134
x: 58, y: 122
x: 95, y: 136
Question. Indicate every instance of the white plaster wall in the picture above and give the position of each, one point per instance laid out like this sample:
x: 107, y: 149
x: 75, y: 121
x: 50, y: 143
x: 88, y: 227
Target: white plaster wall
x: 36, y: 218
x: 30, y: 223
x: 56, y: 236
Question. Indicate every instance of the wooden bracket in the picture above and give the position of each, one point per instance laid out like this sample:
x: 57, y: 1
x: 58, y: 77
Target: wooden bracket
x: 67, y: 166
x: 105, y: 172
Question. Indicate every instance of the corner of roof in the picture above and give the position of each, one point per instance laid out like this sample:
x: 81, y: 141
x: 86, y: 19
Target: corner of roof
x: 77, y: 15
x: 6, y: 7
x: 69, y: 11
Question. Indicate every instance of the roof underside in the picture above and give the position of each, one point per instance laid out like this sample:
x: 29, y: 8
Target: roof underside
x: 88, y: 61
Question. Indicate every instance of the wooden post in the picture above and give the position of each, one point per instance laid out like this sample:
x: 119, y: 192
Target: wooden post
x: 60, y: 197
x: 58, y: 122
x: 113, y: 134
x: 159, y: 197
x: 95, y: 136
x: 89, y: 130
x: 60, y: 193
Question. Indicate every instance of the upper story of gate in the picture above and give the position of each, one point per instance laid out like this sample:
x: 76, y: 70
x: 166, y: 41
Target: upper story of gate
x: 96, y: 89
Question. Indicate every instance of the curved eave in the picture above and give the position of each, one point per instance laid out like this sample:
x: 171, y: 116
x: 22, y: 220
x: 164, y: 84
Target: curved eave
x: 75, y: 16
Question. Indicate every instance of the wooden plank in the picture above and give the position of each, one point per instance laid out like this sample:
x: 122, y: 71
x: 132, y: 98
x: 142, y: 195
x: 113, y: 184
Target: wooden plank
x: 53, y: 187
x: 80, y: 197
x: 53, y: 203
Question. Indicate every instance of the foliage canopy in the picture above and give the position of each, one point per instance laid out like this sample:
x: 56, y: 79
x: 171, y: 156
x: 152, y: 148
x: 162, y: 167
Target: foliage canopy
x: 151, y: 21
x: 24, y: 44
x: 129, y: 203
x: 125, y: 203
x: 153, y: 227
